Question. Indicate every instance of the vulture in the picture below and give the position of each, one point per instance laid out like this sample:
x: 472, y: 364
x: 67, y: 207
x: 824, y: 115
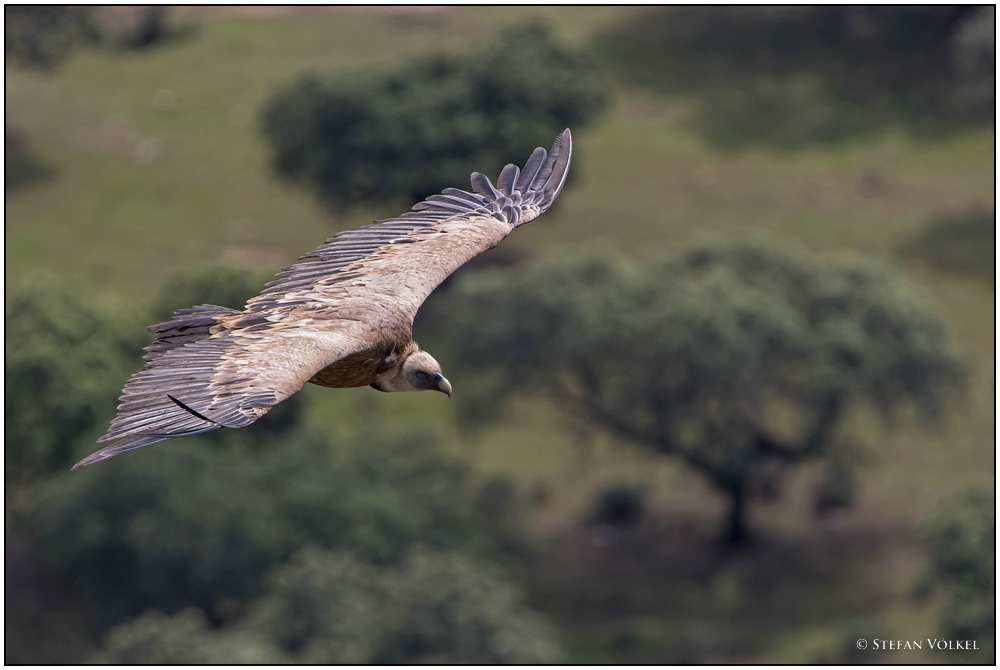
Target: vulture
x: 341, y: 319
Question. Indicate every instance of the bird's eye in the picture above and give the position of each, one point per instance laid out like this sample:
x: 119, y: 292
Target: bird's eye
x: 421, y: 374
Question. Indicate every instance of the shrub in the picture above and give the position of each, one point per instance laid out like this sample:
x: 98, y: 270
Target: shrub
x: 790, y: 76
x: 66, y: 356
x: 382, y: 136
x: 326, y: 607
x: 190, y: 523
x: 961, y: 537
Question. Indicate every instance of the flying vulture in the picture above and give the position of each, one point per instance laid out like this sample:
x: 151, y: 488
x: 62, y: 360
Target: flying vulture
x: 343, y: 319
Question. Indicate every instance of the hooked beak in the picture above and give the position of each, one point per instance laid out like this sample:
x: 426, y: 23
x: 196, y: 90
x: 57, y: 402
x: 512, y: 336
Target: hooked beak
x: 443, y: 384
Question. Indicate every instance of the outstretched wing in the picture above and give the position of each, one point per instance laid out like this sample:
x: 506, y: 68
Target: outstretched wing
x: 395, y: 264
x: 201, y: 374
x: 212, y: 367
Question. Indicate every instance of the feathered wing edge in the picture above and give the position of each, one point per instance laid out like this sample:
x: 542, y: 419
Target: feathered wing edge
x: 127, y: 444
x: 520, y: 196
x: 178, y: 361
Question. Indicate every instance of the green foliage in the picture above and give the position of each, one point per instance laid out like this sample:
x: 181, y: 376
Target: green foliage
x: 139, y: 27
x: 66, y: 356
x: 21, y: 166
x: 789, y: 76
x: 185, y: 638
x: 42, y: 36
x: 433, y: 608
x: 961, y: 536
x: 975, y: 61
x: 964, y: 242
x: 327, y: 607
x: 404, y: 134
x: 191, y: 524
x: 223, y: 286
x: 700, y: 355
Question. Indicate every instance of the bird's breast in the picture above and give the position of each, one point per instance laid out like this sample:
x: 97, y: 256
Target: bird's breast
x: 359, y: 369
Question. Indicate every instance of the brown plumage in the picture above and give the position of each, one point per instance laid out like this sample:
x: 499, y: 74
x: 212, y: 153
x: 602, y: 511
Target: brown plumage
x: 342, y: 320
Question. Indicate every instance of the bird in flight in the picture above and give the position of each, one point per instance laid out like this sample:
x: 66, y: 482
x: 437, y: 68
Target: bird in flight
x: 341, y: 319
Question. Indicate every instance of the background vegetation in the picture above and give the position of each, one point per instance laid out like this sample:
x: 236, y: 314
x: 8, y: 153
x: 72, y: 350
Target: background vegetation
x: 144, y: 180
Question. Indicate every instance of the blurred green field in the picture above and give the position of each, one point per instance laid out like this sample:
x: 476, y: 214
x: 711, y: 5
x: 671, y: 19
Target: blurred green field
x: 160, y: 168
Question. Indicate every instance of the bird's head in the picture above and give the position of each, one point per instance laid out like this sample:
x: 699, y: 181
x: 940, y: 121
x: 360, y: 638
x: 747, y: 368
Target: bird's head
x: 419, y: 372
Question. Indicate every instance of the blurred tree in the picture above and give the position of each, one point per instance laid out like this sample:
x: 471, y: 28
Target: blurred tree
x: 738, y: 358
x: 962, y: 242
x: 223, y: 286
x: 186, y: 638
x: 123, y: 27
x: 66, y: 356
x: 325, y: 607
x: 433, y: 608
x: 21, y: 166
x: 961, y: 536
x: 192, y: 525
x: 405, y: 134
x: 975, y: 61
x: 788, y: 76
x: 42, y: 36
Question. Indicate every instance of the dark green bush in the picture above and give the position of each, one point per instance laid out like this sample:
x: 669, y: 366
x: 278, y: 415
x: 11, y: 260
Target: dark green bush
x: 42, y: 36
x: 964, y: 242
x: 961, y: 536
x: 187, y: 523
x: 790, y: 76
x: 21, y: 166
x: 186, y: 638
x: 326, y: 607
x: 66, y: 357
x: 223, y: 286
x: 125, y: 28
x: 372, y: 137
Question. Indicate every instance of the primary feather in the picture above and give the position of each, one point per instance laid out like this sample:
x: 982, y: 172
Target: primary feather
x: 343, y: 319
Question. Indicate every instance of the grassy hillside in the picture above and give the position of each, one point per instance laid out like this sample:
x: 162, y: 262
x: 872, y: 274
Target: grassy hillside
x: 159, y: 168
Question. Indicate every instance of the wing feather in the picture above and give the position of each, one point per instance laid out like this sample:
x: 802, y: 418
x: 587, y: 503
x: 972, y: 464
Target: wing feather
x: 224, y: 380
x: 399, y: 261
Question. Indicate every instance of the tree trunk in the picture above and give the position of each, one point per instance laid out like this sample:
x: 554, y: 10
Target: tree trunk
x: 736, y: 533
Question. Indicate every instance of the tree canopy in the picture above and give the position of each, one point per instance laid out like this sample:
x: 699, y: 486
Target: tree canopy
x: 386, y: 135
x: 740, y: 358
x: 961, y: 536
x: 66, y: 355
x: 328, y: 607
x: 790, y: 76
